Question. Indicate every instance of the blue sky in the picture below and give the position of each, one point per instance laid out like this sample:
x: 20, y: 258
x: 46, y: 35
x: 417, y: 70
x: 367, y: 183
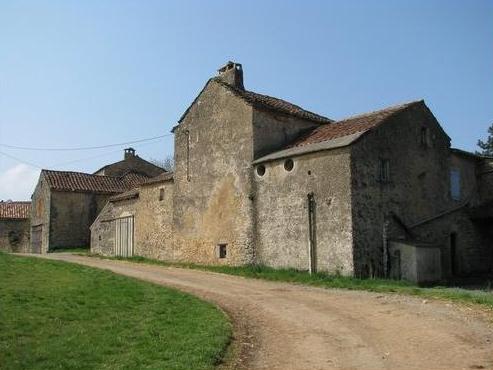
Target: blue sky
x: 85, y: 73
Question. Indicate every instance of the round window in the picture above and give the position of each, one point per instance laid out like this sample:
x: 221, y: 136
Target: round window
x: 261, y: 170
x: 288, y: 164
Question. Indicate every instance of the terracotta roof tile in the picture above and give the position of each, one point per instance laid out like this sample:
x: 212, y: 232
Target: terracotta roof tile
x: 166, y: 176
x: 132, y: 179
x: 350, y: 125
x: 84, y: 182
x: 131, y: 194
x: 15, y: 210
x: 274, y: 104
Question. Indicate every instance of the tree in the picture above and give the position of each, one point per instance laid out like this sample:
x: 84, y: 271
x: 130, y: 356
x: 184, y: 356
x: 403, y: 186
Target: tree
x: 487, y: 146
x: 168, y: 163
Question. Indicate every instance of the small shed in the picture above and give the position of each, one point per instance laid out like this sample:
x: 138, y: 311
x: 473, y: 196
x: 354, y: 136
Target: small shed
x: 14, y: 226
x: 416, y: 262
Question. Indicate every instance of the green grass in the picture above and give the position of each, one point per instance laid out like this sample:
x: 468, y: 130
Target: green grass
x: 323, y: 280
x: 65, y: 316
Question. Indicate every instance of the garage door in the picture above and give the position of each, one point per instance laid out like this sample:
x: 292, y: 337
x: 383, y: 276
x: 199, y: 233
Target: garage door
x: 124, y: 236
x: 36, y: 238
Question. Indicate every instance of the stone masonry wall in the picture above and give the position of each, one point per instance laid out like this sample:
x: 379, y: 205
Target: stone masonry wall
x: 282, y: 212
x: 71, y: 215
x: 40, y: 216
x: 418, y: 187
x: 211, y: 200
x: 153, y: 222
x: 103, y: 228
x: 273, y: 131
x: 15, y: 235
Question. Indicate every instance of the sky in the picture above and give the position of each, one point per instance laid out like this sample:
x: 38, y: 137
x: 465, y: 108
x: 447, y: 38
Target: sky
x: 93, y: 73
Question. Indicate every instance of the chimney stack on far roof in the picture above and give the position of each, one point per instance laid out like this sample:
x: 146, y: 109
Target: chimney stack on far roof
x: 129, y: 152
x: 232, y: 73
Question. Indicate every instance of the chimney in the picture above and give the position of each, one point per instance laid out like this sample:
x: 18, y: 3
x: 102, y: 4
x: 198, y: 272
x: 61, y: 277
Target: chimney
x: 232, y: 74
x: 129, y: 153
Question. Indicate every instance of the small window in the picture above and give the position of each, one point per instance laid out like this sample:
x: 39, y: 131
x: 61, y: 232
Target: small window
x: 221, y: 250
x: 99, y: 237
x: 425, y: 134
x: 261, y: 170
x: 161, y: 194
x: 384, y: 170
x: 288, y: 164
x: 455, y: 184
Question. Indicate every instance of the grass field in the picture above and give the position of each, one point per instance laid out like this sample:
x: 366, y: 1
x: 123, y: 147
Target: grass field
x: 66, y: 316
x: 483, y: 298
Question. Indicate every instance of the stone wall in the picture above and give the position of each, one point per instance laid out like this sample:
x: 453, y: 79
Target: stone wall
x: 282, y: 212
x: 211, y: 200
x: 418, y: 187
x: 40, y: 216
x: 15, y: 235
x: 486, y: 180
x: 153, y: 221
x: 71, y: 215
x: 103, y: 228
x: 272, y: 131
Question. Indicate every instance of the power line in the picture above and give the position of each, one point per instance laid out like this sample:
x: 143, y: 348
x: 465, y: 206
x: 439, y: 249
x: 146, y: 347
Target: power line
x: 82, y: 147
x: 20, y: 160
x: 93, y: 157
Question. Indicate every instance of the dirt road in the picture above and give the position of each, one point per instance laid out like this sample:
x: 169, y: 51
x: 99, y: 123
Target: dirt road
x: 284, y: 326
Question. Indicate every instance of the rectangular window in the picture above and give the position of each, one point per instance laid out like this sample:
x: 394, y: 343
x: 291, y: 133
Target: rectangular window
x: 221, y: 250
x: 161, y: 194
x: 424, y: 136
x: 455, y: 184
x: 384, y: 170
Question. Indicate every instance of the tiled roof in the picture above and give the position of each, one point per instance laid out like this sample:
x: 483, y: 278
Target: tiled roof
x: 15, y: 210
x: 133, y: 193
x: 166, y: 176
x: 274, y: 104
x: 84, y: 182
x: 265, y: 102
x: 133, y: 179
x: 350, y: 125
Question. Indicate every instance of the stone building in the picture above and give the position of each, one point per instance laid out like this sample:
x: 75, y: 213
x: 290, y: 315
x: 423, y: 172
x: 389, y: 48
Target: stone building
x: 260, y: 180
x: 65, y: 203
x: 14, y: 226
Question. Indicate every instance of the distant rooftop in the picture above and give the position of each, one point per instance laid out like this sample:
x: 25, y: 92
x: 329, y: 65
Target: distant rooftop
x: 15, y: 210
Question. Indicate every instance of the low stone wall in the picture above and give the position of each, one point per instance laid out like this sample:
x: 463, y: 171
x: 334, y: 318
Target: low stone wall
x: 14, y: 235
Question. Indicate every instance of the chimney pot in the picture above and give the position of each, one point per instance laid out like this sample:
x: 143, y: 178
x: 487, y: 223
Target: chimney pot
x: 232, y: 74
x: 129, y: 152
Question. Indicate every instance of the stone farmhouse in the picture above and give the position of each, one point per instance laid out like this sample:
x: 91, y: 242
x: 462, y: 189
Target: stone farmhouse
x: 259, y: 180
x: 65, y: 203
x: 15, y: 226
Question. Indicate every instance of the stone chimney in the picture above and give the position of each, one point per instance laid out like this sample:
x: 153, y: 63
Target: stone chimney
x: 232, y: 74
x: 129, y: 153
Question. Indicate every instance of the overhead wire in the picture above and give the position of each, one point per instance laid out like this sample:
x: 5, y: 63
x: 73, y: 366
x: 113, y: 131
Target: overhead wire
x: 82, y: 147
x: 76, y: 149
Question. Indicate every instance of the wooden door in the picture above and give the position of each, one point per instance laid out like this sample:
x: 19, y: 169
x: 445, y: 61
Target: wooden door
x: 124, y: 236
x: 36, y: 238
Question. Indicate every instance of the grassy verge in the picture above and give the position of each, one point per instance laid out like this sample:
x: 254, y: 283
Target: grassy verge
x: 322, y: 280
x: 60, y: 315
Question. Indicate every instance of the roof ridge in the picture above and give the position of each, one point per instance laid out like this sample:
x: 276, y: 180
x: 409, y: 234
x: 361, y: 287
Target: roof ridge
x: 391, y: 107
x: 244, y: 95
x: 87, y: 174
x: 350, y: 125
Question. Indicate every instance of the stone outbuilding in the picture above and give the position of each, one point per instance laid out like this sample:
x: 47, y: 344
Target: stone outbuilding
x: 66, y: 203
x: 259, y: 180
x: 15, y: 226
x: 137, y: 222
